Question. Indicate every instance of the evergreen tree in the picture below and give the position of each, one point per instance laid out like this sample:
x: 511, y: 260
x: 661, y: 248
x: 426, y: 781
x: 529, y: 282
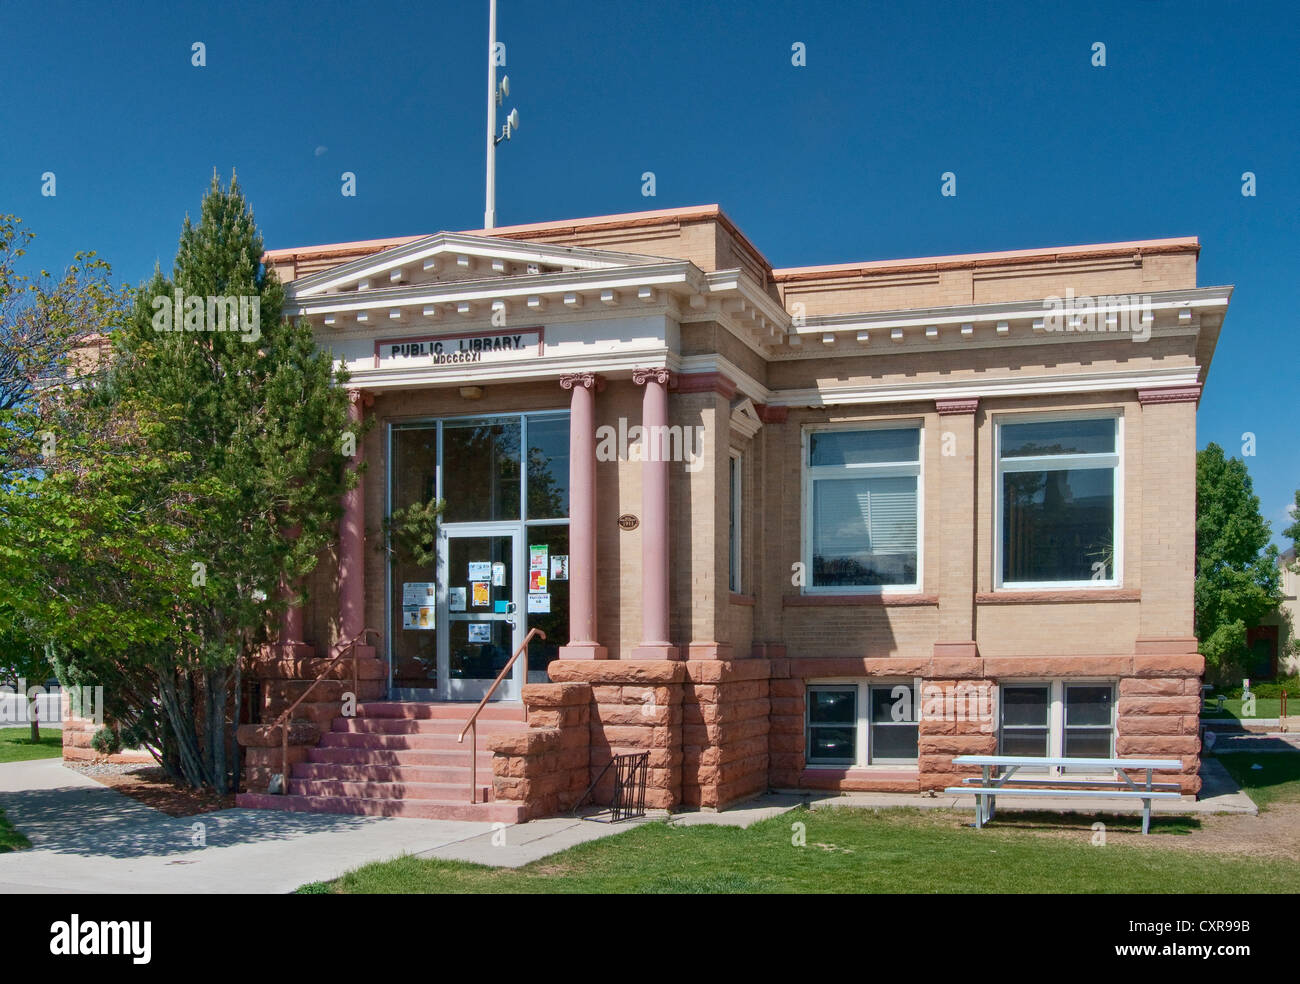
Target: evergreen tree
x: 202, y: 470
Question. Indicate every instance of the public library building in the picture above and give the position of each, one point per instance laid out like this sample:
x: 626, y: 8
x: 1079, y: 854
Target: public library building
x: 806, y: 528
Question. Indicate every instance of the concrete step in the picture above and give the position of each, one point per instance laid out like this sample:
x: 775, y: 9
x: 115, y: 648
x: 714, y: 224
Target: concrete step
x: 458, y: 711
x: 441, y: 791
x: 419, y: 726
x: 459, y: 809
x: 366, y: 772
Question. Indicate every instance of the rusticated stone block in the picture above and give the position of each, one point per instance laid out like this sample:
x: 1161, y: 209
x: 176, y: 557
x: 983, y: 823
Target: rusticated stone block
x: 786, y: 742
x: 1138, y: 706
x: 1169, y: 665
x: 525, y: 743
x: 556, y: 694
x: 956, y: 668
x: 787, y: 688
x: 957, y: 744
x: 717, y: 671
x: 1152, y: 724
x: 1157, y: 687
x: 638, y: 715
x: 1157, y: 746
x: 617, y: 671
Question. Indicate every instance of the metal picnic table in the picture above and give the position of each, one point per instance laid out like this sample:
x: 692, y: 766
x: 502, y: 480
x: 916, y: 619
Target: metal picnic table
x: 1122, y: 787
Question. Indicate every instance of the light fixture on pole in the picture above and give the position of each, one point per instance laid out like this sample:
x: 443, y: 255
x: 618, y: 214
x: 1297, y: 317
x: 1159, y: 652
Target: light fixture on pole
x: 496, y: 95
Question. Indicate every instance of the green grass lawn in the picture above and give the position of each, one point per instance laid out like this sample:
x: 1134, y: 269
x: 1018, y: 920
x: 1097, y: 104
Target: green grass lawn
x: 848, y: 850
x: 10, y: 839
x: 1265, y: 707
x: 1276, y: 781
x: 16, y: 744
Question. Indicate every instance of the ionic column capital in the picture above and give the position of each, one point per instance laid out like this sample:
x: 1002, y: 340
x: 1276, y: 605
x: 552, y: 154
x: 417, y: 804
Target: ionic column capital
x: 587, y: 380
x: 658, y: 374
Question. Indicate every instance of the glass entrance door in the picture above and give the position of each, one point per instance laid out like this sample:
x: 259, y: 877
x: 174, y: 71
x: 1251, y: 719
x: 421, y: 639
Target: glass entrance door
x: 480, y: 581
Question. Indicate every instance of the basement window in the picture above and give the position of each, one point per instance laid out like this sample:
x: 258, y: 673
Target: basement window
x: 855, y: 724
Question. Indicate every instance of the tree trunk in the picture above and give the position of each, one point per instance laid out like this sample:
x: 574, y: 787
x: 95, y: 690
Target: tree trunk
x: 34, y: 718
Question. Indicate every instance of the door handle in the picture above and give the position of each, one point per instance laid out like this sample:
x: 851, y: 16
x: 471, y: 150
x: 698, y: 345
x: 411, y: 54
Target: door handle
x: 510, y: 622
x: 510, y: 607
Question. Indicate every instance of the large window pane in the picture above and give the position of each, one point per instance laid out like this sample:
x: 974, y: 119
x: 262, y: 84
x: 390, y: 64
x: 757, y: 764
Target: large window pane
x: 832, y: 706
x: 481, y: 474
x: 864, y: 531
x: 1024, y: 706
x: 1026, y: 741
x: 554, y: 623
x: 1057, y: 524
x: 1058, y: 437
x: 733, y: 525
x: 832, y: 725
x: 1088, y: 705
x: 548, y: 467
x: 1024, y: 728
x: 1089, y: 716
x: 893, y: 725
x: 414, y: 480
x: 863, y: 447
x: 1087, y: 743
x: 832, y: 745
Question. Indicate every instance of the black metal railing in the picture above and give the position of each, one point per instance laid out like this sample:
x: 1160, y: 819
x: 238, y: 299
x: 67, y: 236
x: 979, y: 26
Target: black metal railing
x: 628, y: 800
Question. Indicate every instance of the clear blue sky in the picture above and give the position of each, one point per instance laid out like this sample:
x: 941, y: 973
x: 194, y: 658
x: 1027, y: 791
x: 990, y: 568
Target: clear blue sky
x: 836, y: 161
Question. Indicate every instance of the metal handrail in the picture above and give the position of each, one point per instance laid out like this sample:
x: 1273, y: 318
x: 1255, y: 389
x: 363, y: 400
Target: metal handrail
x: 283, y: 721
x: 472, y: 724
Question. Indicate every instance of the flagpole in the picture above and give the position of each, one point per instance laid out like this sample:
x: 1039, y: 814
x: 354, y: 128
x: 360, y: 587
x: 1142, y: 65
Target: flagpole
x: 490, y: 208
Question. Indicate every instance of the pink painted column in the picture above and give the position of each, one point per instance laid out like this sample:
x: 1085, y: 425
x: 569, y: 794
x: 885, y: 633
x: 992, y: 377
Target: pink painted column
x: 352, y: 543
x: 654, y: 516
x: 582, y: 517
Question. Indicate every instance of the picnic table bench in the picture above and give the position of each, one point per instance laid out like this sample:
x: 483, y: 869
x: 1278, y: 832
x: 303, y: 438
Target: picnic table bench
x: 987, y: 788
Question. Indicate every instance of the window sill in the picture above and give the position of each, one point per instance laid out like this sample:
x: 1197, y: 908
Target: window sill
x: 1056, y: 596
x: 859, y: 600
x: 742, y: 599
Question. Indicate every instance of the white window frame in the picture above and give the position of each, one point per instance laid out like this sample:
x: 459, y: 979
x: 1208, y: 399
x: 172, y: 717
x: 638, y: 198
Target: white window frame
x: 889, y: 470
x: 1056, y: 715
x: 1070, y: 462
x: 736, y: 475
x: 863, y: 757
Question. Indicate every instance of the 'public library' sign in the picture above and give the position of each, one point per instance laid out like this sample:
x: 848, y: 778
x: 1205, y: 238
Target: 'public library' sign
x: 465, y: 349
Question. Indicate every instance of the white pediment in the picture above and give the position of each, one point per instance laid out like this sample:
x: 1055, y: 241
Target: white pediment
x: 451, y: 257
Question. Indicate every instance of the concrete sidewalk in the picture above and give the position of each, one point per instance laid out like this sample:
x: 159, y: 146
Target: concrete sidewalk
x: 88, y: 838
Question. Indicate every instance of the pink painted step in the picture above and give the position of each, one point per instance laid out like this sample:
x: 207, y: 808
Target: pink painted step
x: 459, y: 809
x: 456, y: 712
x: 426, y: 741
x: 419, y: 726
x: 369, y: 772
x: 393, y: 756
x: 400, y: 759
x: 440, y: 791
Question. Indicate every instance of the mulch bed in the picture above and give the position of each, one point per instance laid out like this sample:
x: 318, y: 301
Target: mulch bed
x: 151, y: 786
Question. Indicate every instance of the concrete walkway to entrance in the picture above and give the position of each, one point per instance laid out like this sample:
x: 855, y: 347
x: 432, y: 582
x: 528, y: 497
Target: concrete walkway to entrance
x: 89, y: 838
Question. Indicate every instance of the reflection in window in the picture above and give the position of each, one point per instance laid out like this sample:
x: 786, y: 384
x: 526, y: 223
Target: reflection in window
x: 1059, y: 498
x: 865, y: 490
x: 480, y: 480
